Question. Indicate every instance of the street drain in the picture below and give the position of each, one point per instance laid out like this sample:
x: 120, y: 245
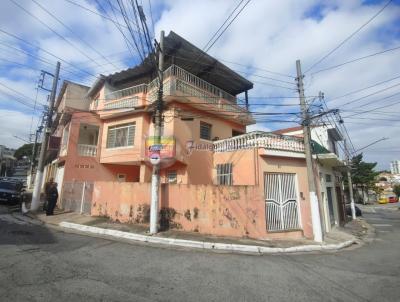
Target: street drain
x: 21, y: 233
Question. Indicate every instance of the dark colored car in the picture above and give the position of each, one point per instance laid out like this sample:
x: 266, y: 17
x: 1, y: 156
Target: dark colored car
x: 10, y: 191
x: 393, y: 199
x: 348, y: 210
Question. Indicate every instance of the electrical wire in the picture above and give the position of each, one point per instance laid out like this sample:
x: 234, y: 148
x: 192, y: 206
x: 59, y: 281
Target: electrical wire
x: 71, y: 31
x: 356, y: 60
x: 351, y: 36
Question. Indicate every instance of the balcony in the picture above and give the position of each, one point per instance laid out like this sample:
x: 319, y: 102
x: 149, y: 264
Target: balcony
x: 87, y: 140
x: 127, y: 98
x: 199, y: 93
x: 127, y: 92
x: 87, y: 150
x: 259, y: 139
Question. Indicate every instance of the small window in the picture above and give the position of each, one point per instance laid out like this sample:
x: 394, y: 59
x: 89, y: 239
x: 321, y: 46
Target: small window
x: 224, y: 174
x: 328, y: 178
x: 121, y: 135
x: 172, y: 177
x: 205, y: 131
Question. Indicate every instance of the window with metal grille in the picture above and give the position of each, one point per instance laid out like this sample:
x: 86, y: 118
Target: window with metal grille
x: 224, y: 174
x: 121, y: 135
x: 328, y: 178
x: 205, y: 131
x: 172, y: 177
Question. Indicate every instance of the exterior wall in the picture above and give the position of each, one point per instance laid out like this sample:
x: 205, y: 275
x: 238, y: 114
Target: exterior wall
x: 123, y: 155
x: 323, y: 184
x: 199, y: 163
x: 75, y: 97
x: 291, y: 165
x: 244, y: 171
x: 88, y: 168
x: 237, y: 211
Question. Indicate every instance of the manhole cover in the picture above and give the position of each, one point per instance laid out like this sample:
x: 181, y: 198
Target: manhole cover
x: 21, y: 233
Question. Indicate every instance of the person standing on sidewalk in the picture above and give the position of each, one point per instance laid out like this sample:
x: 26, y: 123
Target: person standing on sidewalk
x: 47, y: 188
x: 52, y: 198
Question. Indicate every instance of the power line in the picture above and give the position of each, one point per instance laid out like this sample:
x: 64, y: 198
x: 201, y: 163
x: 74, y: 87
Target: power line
x: 238, y: 71
x: 226, y: 27
x: 47, y: 52
x: 222, y: 25
x: 106, y: 17
x: 371, y: 94
x: 52, y: 30
x: 238, y: 64
x: 356, y: 60
x: 71, y: 31
x: 362, y: 89
x: 351, y: 36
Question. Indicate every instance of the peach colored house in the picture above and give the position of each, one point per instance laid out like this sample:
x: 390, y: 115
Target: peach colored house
x: 220, y: 180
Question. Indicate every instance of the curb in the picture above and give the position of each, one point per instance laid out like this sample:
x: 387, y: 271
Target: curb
x: 227, y: 247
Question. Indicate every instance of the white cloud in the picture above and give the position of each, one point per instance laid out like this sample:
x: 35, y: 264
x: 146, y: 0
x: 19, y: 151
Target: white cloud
x: 14, y: 123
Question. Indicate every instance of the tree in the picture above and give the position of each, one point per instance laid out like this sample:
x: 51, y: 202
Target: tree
x: 24, y: 150
x: 396, y: 190
x: 363, y: 174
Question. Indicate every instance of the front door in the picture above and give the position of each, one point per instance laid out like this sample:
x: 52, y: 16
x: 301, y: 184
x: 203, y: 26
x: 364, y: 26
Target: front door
x: 330, y: 205
x: 281, y: 202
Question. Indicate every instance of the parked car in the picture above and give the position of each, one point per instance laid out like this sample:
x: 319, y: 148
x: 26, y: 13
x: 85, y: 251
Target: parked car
x: 393, y: 199
x: 10, y: 191
x: 383, y: 200
x: 348, y: 210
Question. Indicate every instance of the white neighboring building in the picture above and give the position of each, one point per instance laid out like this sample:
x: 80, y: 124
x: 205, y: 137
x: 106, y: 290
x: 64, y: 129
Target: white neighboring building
x: 395, y: 167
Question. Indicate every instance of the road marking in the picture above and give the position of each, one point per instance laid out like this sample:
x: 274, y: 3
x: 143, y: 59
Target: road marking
x: 381, y: 225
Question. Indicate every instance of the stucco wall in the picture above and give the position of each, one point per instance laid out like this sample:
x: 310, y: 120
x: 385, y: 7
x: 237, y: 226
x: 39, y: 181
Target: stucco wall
x: 237, y: 211
x: 86, y: 168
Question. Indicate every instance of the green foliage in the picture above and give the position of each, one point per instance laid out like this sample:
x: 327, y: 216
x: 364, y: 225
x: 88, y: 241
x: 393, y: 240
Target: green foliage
x: 363, y: 173
x: 24, y: 150
x: 396, y: 190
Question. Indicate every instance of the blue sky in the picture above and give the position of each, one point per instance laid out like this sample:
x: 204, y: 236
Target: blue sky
x: 266, y: 39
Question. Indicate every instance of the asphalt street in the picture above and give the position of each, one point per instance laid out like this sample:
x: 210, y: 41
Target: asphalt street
x: 42, y: 264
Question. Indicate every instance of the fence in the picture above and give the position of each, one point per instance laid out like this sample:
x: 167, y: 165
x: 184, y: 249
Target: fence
x: 77, y: 196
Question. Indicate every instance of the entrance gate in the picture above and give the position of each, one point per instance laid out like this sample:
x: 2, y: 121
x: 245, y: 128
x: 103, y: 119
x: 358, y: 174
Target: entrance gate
x: 281, y: 202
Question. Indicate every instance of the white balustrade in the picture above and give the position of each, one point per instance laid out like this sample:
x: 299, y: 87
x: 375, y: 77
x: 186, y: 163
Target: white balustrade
x: 122, y: 104
x: 259, y: 139
x: 130, y: 91
x: 87, y: 150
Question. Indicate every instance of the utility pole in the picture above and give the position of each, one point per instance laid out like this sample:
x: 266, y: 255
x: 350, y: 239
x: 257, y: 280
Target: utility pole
x: 315, y: 213
x: 350, y: 183
x: 155, y: 177
x: 45, y: 140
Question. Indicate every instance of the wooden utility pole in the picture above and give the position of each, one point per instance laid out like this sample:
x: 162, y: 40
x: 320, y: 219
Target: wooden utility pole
x: 315, y: 212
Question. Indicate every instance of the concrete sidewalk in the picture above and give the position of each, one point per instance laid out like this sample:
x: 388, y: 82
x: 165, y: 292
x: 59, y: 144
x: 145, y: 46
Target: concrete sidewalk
x: 99, y: 226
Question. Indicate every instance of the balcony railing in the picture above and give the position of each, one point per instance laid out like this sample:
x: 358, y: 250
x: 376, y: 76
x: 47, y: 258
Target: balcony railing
x: 130, y: 91
x: 191, y: 86
x: 87, y: 150
x: 122, y: 104
x: 259, y: 139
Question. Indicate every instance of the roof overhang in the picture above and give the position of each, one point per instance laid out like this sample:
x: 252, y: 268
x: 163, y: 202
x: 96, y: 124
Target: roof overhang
x: 182, y: 53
